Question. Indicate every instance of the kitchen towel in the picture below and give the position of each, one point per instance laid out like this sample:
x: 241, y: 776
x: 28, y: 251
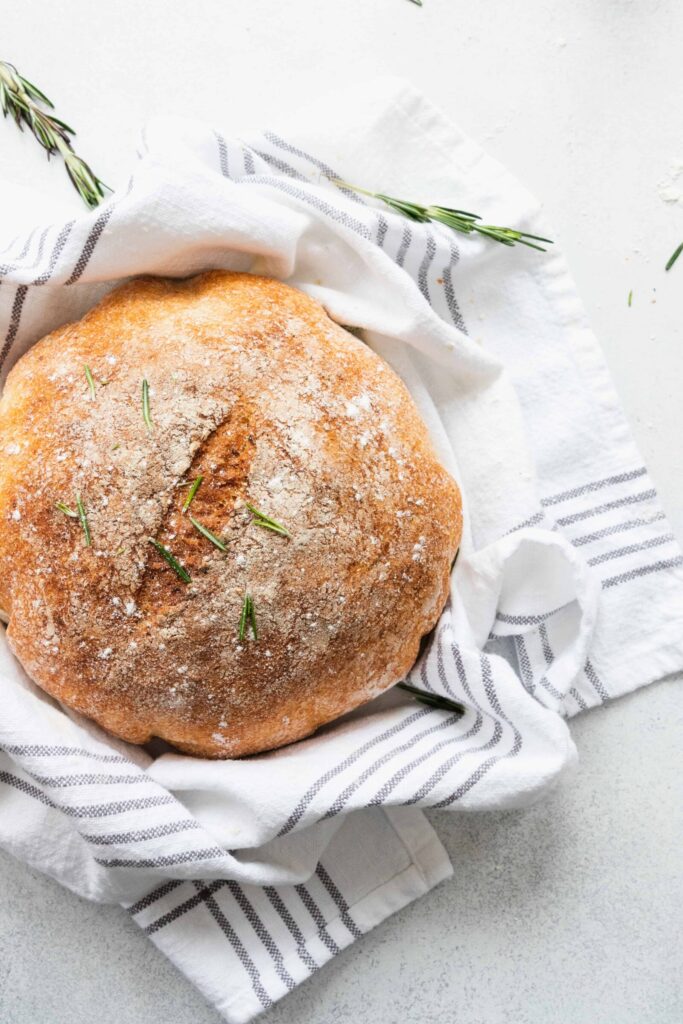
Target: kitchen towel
x: 567, y: 592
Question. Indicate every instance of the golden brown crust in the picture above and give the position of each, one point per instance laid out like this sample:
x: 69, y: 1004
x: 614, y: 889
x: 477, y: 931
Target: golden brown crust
x: 255, y: 388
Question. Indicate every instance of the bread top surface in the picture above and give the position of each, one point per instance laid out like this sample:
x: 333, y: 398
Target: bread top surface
x: 253, y: 387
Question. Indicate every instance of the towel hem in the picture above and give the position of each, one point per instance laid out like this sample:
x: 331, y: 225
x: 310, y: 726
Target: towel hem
x: 429, y: 865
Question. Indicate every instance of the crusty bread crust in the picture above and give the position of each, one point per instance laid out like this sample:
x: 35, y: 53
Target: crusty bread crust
x: 255, y: 388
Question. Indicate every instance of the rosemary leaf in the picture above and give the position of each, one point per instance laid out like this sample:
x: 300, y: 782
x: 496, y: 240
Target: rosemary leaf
x: 192, y: 492
x: 458, y: 220
x: 264, y: 521
x: 630, y: 298
x: 90, y: 380
x: 146, y: 415
x: 433, y: 700
x: 84, y: 520
x: 674, y: 256
x: 178, y: 569
x: 207, y: 533
x: 66, y: 510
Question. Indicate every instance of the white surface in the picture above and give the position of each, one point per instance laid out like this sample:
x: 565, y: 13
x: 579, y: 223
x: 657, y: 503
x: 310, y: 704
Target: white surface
x: 566, y: 912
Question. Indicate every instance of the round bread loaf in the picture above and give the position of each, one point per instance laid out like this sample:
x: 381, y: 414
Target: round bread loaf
x: 232, y: 649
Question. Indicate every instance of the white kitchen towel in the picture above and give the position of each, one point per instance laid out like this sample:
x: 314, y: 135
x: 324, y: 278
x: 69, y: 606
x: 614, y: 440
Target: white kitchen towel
x: 568, y: 589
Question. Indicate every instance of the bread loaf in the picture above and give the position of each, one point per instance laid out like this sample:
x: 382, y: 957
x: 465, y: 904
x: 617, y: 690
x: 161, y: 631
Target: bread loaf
x: 259, y: 641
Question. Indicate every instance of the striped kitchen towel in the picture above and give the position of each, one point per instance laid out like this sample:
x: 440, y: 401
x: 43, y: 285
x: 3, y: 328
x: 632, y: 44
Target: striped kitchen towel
x: 568, y: 590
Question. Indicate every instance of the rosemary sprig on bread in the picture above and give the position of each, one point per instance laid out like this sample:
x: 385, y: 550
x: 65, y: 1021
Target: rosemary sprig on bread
x: 84, y: 520
x: 206, y: 532
x: 80, y: 514
x: 264, y: 521
x: 192, y: 493
x: 90, y: 379
x: 146, y: 413
x: 66, y: 510
x: 248, y: 618
x: 178, y: 569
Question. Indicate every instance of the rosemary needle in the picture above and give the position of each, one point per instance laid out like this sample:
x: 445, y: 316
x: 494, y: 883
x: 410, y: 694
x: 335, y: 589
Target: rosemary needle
x: 66, y: 510
x: 207, y: 533
x: 674, y: 256
x: 248, y: 618
x: 630, y: 298
x: 84, y: 520
x: 243, y: 617
x: 432, y: 700
x: 146, y: 415
x: 178, y: 569
x: 458, y: 220
x: 90, y: 380
x: 260, y: 519
x: 192, y: 492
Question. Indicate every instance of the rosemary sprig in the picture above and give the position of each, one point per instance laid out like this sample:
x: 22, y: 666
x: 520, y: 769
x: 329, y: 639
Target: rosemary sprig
x: 90, y: 380
x: 66, y: 510
x: 178, y: 569
x: 192, y: 492
x: 22, y: 100
x: 146, y: 415
x: 433, y: 700
x: 458, y: 220
x: 84, y: 520
x: 261, y: 519
x: 207, y: 533
x: 674, y: 256
x: 248, y: 618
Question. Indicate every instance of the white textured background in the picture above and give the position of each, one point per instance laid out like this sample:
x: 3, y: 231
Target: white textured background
x: 569, y: 913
